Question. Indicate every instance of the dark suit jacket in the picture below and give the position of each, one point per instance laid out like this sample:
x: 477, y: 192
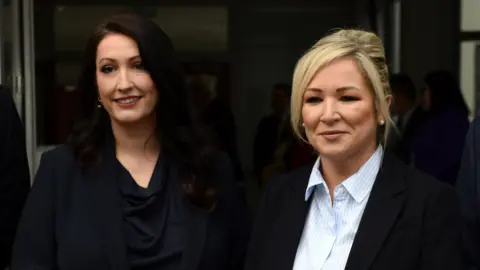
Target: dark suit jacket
x: 415, y: 121
x: 411, y: 221
x: 73, y: 221
x: 14, y: 174
x: 399, y: 144
x: 468, y: 188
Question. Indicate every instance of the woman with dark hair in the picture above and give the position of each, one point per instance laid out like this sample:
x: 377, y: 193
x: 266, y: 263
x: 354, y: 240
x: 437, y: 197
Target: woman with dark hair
x: 437, y: 147
x: 137, y: 187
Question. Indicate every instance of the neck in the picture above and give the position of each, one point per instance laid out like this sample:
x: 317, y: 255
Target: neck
x: 136, y: 139
x: 335, y: 171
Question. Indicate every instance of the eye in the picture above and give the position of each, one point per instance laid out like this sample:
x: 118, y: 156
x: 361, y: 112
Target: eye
x: 107, y: 69
x: 349, y: 98
x: 313, y: 100
x: 139, y: 66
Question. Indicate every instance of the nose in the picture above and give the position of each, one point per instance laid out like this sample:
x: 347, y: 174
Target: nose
x: 329, y: 114
x: 124, y: 82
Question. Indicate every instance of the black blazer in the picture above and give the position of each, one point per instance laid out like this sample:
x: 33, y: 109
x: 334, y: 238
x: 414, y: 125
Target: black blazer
x: 411, y: 222
x: 468, y: 188
x: 73, y: 221
x: 14, y: 173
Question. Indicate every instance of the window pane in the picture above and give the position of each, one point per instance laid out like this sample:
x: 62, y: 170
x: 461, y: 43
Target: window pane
x: 468, y: 66
x: 469, y: 15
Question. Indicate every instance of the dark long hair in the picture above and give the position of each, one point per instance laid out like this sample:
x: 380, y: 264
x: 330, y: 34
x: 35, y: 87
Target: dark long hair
x: 178, y: 133
x: 445, y: 92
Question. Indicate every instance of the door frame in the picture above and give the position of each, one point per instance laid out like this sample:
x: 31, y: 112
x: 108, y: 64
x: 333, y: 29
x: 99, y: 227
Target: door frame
x: 23, y: 73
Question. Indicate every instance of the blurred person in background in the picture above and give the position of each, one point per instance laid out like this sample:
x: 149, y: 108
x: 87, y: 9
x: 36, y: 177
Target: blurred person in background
x: 407, y: 114
x: 273, y: 135
x: 468, y: 188
x: 14, y: 173
x: 437, y: 146
x: 213, y: 113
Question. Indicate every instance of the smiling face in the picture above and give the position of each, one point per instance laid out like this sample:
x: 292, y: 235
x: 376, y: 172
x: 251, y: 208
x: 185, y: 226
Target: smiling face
x: 125, y: 88
x: 339, y: 112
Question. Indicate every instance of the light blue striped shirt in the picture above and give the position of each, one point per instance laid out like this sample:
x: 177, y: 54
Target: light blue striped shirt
x: 330, y: 229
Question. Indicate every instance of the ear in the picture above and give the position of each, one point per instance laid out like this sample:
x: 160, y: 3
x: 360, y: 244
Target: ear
x: 388, y: 100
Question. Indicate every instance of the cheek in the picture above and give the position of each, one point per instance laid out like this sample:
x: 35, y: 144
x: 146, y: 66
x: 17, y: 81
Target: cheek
x: 310, y: 117
x: 145, y: 83
x: 105, y: 88
x: 363, y: 118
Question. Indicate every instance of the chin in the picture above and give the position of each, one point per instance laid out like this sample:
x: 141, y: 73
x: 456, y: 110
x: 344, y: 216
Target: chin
x: 333, y: 152
x: 127, y: 119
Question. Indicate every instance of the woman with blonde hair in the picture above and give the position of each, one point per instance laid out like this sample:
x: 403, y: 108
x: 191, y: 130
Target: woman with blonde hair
x: 357, y: 207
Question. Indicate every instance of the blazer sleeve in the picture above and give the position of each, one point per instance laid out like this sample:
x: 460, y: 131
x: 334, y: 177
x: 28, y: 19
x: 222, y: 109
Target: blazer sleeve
x: 260, y: 226
x: 34, y: 246
x: 14, y: 174
x: 442, y: 228
x: 467, y: 189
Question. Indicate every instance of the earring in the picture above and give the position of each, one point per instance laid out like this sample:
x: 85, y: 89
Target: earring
x: 303, y: 124
x: 382, y: 123
x: 99, y: 105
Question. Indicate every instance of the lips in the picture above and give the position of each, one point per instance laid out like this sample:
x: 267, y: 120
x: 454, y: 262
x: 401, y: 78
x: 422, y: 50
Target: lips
x: 332, y: 132
x: 127, y: 100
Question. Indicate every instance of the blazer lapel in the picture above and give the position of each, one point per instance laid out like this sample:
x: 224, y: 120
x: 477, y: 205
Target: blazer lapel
x: 104, y: 200
x: 383, y: 207
x: 288, y: 232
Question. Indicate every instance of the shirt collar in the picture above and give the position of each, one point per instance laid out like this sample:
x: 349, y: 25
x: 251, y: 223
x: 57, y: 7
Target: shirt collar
x: 358, y: 185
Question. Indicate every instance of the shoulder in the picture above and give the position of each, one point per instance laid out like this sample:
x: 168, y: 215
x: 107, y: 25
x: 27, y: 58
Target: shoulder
x: 282, y: 187
x: 421, y: 186
x: 62, y: 156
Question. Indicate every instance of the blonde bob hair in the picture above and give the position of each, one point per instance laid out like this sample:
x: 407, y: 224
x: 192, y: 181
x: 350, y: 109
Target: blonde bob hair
x: 367, y: 50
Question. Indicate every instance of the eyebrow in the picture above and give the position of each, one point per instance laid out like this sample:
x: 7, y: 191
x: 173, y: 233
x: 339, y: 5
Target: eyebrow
x: 341, y: 89
x: 113, y: 60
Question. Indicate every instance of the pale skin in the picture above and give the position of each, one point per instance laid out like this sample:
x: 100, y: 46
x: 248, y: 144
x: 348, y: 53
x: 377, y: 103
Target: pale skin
x: 340, y: 120
x: 120, y: 74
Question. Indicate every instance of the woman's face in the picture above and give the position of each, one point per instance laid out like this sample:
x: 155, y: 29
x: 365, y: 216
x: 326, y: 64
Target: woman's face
x: 339, y: 111
x: 125, y: 88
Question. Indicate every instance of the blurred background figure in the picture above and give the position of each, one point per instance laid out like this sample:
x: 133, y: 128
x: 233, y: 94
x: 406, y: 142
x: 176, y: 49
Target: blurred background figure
x: 213, y: 112
x: 438, y: 145
x: 407, y: 114
x: 273, y: 135
x: 14, y: 174
x: 276, y: 149
x: 468, y: 183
